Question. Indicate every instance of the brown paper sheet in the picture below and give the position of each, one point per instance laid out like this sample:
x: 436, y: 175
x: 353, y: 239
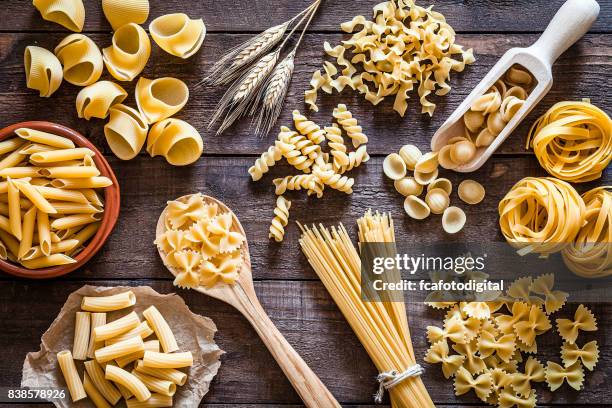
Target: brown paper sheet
x: 193, y: 333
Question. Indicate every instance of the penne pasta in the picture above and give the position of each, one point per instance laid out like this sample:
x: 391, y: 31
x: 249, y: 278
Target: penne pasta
x: 9, y: 241
x: 81, y: 335
x: 97, y: 319
x: 62, y: 246
x: 71, y: 221
x: 81, y: 183
x: 53, y: 193
x: 32, y: 148
x: 83, y: 235
x: 39, y: 181
x: 75, y: 208
x: 143, y: 330
x: 3, y: 251
x: 61, y: 155
x: 157, y: 385
x: 120, y: 349
x: 19, y: 172
x: 129, y: 381
x: 34, y: 195
x: 27, y: 230
x: 44, y: 232
x: 92, y: 392
x: 167, y: 360
x: 151, y: 345
x: 116, y: 327
x: 69, y: 172
x: 11, y: 160
x: 92, y: 197
x: 161, y: 329
x: 37, y: 136
x: 109, y: 303
x: 47, y: 261
x: 10, y: 145
x: 14, y: 209
x: 106, y: 388
x: 170, y: 374
x: 71, y: 375
x: 156, y: 401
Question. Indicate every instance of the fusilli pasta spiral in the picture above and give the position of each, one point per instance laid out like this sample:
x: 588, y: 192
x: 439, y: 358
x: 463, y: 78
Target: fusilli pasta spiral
x: 280, y: 220
x: 308, y: 128
x: 349, y: 124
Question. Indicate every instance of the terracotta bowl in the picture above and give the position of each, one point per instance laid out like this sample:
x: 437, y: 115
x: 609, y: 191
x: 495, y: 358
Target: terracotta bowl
x: 111, y: 205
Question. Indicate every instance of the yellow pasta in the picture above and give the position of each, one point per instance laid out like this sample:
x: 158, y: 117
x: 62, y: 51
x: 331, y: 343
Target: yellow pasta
x: 143, y: 330
x: 71, y: 221
x: 157, y: 385
x: 177, y: 34
x: 160, y: 98
x: 43, y: 70
x: 47, y: 261
x: 573, y: 141
x: 75, y: 208
x: 161, y: 329
x: 125, y: 132
x: 588, y: 354
x: 481, y: 385
x: 92, y: 392
x: 37, y: 136
x: 106, y: 388
x: 108, y: 303
x: 170, y: 374
x: 84, y: 235
x: 69, y: 172
x: 127, y: 56
x: 95, y: 101
x: 583, y: 320
x: 167, y: 360
x: 117, y: 327
x: 439, y: 353
x: 129, y: 381
x: 81, y: 59
x: 68, y: 13
x: 81, y: 335
x: 151, y: 345
x: 14, y: 209
x: 81, y: 183
x: 119, y: 349
x: 556, y: 374
x: 350, y: 125
x: 553, y: 299
x: 71, y: 375
x: 97, y: 319
x: 176, y: 140
x: 34, y: 195
x: 156, y: 401
x: 27, y: 229
x: 535, y: 324
x: 281, y: 218
x: 53, y: 193
x: 121, y: 12
x: 264, y: 162
x: 52, y: 156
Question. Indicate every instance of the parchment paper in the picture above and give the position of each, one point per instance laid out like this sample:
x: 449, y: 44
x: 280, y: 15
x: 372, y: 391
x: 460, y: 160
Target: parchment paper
x: 193, y: 333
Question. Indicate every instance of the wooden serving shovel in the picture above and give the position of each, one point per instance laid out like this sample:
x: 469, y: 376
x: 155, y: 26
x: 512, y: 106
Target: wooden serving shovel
x: 242, y: 296
x: 570, y: 23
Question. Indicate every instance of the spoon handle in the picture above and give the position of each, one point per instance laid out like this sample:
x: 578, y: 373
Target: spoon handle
x: 307, y: 384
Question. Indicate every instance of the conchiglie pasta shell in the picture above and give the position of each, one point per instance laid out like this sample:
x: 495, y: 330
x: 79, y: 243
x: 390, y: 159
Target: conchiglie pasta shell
x: 160, y: 98
x: 394, y: 166
x: 176, y: 140
x: 129, y: 53
x: 43, y: 70
x: 125, y: 132
x: 122, y: 12
x: 177, y: 34
x: 81, y: 59
x: 68, y: 13
x: 96, y: 99
x: 453, y: 220
x: 416, y: 208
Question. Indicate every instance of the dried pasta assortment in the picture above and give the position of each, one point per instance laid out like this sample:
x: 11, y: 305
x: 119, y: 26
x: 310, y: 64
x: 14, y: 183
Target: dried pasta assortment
x: 50, y: 202
x: 302, y: 149
x: 573, y: 141
x: 403, y: 46
x: 437, y: 195
x: 79, y: 61
x: 200, y: 242
x: 487, y: 117
x: 482, y: 345
x: 121, y: 357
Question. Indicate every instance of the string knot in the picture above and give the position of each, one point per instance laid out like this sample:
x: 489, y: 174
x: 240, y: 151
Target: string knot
x: 390, y: 379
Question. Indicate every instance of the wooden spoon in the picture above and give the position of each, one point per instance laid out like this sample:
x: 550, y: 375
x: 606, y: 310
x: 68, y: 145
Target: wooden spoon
x: 570, y: 23
x: 242, y: 296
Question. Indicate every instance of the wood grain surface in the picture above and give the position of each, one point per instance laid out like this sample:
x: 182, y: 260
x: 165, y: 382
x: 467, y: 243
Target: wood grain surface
x: 288, y: 288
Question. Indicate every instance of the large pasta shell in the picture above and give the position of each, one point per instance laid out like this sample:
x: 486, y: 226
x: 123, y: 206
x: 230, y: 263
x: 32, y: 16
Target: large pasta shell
x: 122, y: 12
x: 95, y: 100
x: 43, y: 70
x: 125, y: 132
x: 177, y: 34
x: 160, y: 98
x: 129, y: 53
x: 176, y: 140
x: 68, y: 13
x: 81, y: 59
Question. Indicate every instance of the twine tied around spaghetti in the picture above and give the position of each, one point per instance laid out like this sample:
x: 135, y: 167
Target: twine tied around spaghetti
x: 390, y: 379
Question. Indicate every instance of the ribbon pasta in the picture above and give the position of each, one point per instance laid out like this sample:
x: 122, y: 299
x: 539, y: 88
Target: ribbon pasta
x: 572, y: 141
x: 127, y: 56
x: 43, y: 70
x: 81, y: 59
x: 68, y: 13
x: 176, y: 140
x: 95, y: 101
x: 177, y: 34
x: 122, y: 12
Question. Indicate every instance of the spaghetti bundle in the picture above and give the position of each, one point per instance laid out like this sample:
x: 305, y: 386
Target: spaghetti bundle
x: 573, y: 141
x: 590, y: 255
x: 381, y: 327
x: 541, y: 215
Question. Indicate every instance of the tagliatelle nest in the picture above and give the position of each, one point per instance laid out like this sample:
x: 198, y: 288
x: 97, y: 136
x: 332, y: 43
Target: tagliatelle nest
x: 404, y: 46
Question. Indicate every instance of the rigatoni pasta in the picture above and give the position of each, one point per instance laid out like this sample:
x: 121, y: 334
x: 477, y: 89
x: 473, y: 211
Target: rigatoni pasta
x: 81, y: 335
x: 129, y: 381
x: 71, y: 375
x: 117, y: 327
x: 161, y: 329
x: 167, y: 360
x: 92, y: 392
x: 108, y: 303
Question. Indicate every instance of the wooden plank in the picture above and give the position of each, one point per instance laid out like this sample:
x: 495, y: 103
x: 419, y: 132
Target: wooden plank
x: 147, y: 184
x: 253, y: 16
x: 580, y: 73
x: 306, y: 315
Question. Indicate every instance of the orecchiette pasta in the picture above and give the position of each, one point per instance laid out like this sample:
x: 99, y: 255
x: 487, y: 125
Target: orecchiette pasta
x: 95, y: 101
x: 281, y: 218
x: 122, y: 12
x: 125, y: 132
x: 43, y: 70
x: 160, y: 98
x: 81, y: 59
x: 176, y: 140
x: 68, y: 13
x: 129, y: 52
x: 177, y: 34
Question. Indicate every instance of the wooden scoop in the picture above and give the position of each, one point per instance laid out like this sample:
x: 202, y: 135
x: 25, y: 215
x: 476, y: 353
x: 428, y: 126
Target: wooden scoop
x: 570, y: 23
x: 242, y: 296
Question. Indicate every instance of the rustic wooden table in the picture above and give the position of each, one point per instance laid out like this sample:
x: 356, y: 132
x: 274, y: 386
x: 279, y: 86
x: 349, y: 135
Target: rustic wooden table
x: 288, y: 288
